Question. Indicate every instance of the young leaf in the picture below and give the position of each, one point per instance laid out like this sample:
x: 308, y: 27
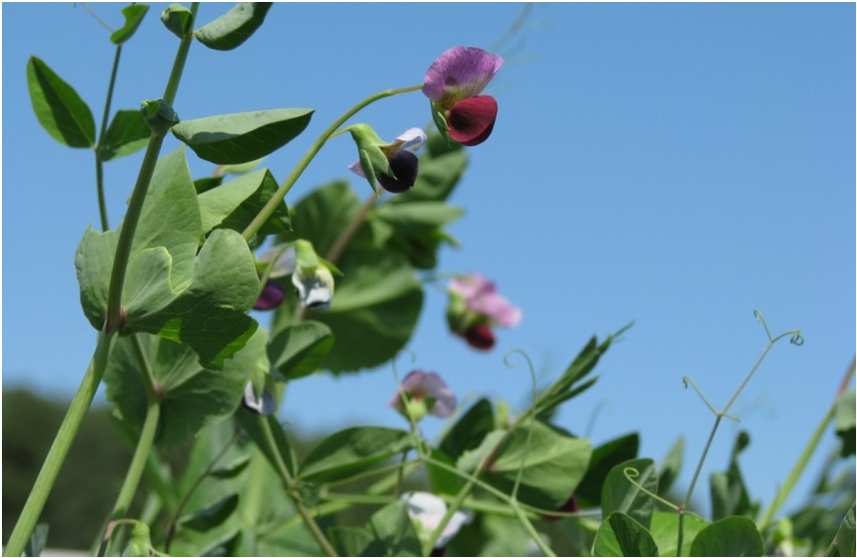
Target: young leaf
x: 298, y: 350
x: 128, y: 132
x: 134, y: 14
x: 352, y: 451
x: 622, y: 535
x: 244, y: 136
x: 618, y: 494
x: 664, y: 530
x: 604, y: 458
x: 58, y: 107
x: 234, y: 27
x: 732, y: 536
x: 177, y: 18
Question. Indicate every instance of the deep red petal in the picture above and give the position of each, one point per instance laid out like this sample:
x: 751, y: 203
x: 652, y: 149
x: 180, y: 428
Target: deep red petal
x: 480, y: 337
x: 471, y: 120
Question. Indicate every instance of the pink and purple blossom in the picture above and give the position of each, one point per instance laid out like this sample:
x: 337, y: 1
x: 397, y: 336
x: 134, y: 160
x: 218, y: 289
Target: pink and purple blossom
x: 428, y: 389
x: 475, y: 306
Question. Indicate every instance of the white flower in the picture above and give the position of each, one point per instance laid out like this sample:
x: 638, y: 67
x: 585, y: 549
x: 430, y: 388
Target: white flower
x: 262, y: 405
x: 428, y: 510
x: 315, y: 289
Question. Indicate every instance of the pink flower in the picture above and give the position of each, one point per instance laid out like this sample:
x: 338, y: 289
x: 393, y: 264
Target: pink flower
x: 454, y: 82
x: 474, y: 306
x: 426, y: 392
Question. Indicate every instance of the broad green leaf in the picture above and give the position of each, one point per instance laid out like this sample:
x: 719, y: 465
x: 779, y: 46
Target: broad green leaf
x: 36, y: 542
x: 134, y: 14
x: 322, y: 215
x: 415, y: 229
x: 551, y: 462
x: 234, y: 27
x: 732, y: 536
x: 664, y: 530
x: 729, y: 494
x: 622, y: 535
x: 352, y: 451
x: 194, y: 396
x: 212, y: 516
x: 298, y: 350
x: 392, y: 532
x: 93, y: 263
x: 844, y: 539
x: 177, y: 19
x: 845, y: 423
x: 604, y: 458
x: 469, y: 430
x: 128, y: 132
x: 60, y: 110
x: 428, y: 213
x: 618, y: 494
x: 206, y: 183
x: 244, y: 136
x: 232, y: 468
x: 235, y: 203
x: 671, y: 466
x: 239, y: 168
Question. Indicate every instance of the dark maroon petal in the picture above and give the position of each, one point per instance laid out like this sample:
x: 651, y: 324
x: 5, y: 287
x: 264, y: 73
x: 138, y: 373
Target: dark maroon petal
x: 271, y: 297
x: 480, y: 337
x: 404, y: 165
x: 471, y: 120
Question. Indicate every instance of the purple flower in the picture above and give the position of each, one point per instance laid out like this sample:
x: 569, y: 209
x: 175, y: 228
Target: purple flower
x: 272, y: 296
x: 404, y: 165
x: 474, y: 306
x: 454, y: 82
x: 426, y: 392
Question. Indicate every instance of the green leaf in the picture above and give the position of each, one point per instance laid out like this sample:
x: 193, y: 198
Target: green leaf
x: 352, y: 451
x: 36, y: 542
x: 671, y: 466
x: 134, y: 14
x: 93, y: 263
x: 235, y: 203
x: 234, y: 27
x: 844, y: 539
x: 732, y: 536
x: 240, y: 168
x: 425, y: 213
x: 729, y: 494
x: 128, y: 133
x: 621, y: 535
x: 664, y: 530
x: 298, y: 350
x: 211, y: 516
x: 231, y: 469
x: 416, y: 228
x: 350, y: 541
x: 392, y: 532
x: 177, y: 19
x: 469, y: 430
x: 604, y: 458
x: 252, y: 424
x: 618, y: 494
x: 551, y: 462
x: 58, y: 107
x: 324, y: 213
x: 243, y: 136
x: 845, y: 422
x: 206, y: 183
x: 194, y: 396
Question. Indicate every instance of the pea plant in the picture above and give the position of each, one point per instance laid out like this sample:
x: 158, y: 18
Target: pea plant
x: 190, y: 372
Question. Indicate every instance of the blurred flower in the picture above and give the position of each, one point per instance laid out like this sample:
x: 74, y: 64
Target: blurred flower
x: 272, y: 295
x: 282, y: 260
x: 426, y: 393
x: 454, y: 82
x: 474, y: 306
x: 259, y: 404
x: 315, y: 286
x: 401, y: 171
x: 311, y: 278
x: 427, y: 510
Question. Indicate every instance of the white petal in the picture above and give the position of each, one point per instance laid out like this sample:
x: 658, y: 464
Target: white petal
x: 458, y: 520
x: 412, y: 139
x: 357, y: 168
x: 285, y: 264
x: 315, y: 290
x: 263, y: 405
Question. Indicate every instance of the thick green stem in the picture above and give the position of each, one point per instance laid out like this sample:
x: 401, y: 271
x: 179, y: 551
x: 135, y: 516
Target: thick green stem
x: 99, y: 163
x: 89, y: 385
x: 59, y: 449
x: 293, y: 490
x: 804, y: 457
x: 281, y: 192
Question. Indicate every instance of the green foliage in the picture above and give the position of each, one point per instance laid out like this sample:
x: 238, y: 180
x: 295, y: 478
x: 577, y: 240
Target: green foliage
x: 622, y: 535
x: 732, y: 536
x: 297, y: 350
x: 729, y: 494
x: 58, y: 107
x: 128, y: 133
x: 234, y: 27
x: 177, y: 19
x: 243, y: 136
x: 845, y: 423
x: 664, y: 530
x: 134, y: 14
x: 843, y: 542
x: 234, y: 204
x: 671, y: 466
x: 618, y: 494
x: 389, y: 533
x: 353, y: 451
x: 604, y: 458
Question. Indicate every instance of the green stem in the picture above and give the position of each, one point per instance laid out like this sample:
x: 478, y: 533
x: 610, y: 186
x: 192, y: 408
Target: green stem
x: 135, y: 205
x: 293, y: 490
x: 89, y: 385
x: 266, y: 212
x: 803, y: 459
x: 59, y: 449
x: 99, y: 163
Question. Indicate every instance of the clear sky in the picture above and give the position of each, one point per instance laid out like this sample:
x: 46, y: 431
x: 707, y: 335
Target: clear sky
x: 678, y: 165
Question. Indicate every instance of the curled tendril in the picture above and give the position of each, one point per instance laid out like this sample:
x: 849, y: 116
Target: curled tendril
x: 631, y: 475
x: 796, y: 338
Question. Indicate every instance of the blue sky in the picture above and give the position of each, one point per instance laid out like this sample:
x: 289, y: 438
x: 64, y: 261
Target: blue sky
x: 677, y: 165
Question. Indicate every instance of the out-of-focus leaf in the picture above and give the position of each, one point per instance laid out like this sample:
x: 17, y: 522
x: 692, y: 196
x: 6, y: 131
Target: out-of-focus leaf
x: 211, y: 516
x: 845, y: 423
x: 58, y: 107
x: 729, y: 494
x: 622, y: 535
x: 134, y: 14
x: 234, y: 27
x: 843, y: 542
x: 604, y: 458
x: 298, y: 350
x: 618, y: 494
x: 352, y: 451
x: 244, y: 136
x: 671, y: 466
x: 664, y: 530
x: 732, y: 536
